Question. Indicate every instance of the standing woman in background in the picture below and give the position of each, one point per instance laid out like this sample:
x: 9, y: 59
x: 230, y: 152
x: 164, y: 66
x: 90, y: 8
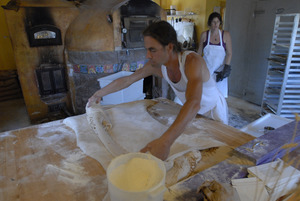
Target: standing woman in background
x: 215, y: 45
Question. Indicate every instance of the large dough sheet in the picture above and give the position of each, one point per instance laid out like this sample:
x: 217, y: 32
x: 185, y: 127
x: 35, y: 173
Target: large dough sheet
x: 130, y: 126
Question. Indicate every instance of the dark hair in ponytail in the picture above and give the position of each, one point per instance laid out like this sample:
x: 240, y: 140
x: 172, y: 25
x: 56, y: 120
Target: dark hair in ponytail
x: 164, y: 33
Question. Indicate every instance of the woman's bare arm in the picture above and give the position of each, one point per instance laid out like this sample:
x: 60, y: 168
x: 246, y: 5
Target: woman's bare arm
x: 202, y: 40
x: 227, y: 40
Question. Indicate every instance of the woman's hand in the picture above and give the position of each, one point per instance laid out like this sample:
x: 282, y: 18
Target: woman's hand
x: 159, y: 148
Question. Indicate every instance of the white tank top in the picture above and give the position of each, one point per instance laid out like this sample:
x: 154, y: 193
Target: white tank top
x: 210, y: 93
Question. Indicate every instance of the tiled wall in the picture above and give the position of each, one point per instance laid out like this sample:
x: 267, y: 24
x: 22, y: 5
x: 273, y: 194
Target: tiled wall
x: 85, y: 68
x: 107, y: 68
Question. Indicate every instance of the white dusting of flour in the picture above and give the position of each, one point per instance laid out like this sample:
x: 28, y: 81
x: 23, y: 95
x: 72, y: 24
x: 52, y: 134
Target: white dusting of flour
x: 70, y: 171
x: 6, y: 135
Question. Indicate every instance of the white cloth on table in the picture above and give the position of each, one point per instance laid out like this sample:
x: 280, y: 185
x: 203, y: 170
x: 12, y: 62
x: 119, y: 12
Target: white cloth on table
x: 133, y: 128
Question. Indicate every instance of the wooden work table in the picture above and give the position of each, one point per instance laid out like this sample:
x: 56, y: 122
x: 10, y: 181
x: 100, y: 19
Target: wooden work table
x: 43, y: 162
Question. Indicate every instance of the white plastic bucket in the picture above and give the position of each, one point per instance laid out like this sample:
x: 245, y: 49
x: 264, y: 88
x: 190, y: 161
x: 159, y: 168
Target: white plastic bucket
x: 154, y: 193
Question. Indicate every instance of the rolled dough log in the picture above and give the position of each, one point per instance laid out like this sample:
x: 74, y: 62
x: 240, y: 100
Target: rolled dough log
x: 101, y: 124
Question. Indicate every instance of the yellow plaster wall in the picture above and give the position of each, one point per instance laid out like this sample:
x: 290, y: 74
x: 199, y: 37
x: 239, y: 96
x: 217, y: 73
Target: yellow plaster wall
x: 202, y: 9
x: 7, y: 61
x: 157, y: 1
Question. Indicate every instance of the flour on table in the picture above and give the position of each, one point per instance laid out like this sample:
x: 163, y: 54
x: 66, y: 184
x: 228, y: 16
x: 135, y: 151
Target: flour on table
x: 6, y: 134
x: 70, y: 169
x: 88, y: 141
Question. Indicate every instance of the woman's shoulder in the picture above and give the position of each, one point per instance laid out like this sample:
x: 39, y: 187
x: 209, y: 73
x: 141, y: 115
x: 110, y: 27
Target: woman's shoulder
x: 226, y: 36
x: 226, y: 33
x: 203, y: 35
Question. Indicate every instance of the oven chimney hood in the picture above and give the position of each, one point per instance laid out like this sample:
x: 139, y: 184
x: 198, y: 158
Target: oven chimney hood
x: 93, y: 29
x: 100, y: 25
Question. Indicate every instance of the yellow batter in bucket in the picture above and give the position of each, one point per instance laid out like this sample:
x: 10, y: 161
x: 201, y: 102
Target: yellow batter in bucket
x: 138, y: 174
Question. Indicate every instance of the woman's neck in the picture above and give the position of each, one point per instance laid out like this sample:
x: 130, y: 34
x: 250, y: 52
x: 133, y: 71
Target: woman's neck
x: 214, y: 31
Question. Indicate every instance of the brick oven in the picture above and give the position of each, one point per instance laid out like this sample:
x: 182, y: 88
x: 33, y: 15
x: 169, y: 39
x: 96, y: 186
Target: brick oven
x: 62, y: 47
x: 113, y: 43
x: 37, y: 31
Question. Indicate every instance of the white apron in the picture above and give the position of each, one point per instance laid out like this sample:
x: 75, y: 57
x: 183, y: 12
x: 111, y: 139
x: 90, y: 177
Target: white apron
x: 214, y: 56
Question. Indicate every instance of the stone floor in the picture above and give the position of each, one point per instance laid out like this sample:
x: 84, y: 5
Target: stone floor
x: 241, y: 112
x: 13, y: 114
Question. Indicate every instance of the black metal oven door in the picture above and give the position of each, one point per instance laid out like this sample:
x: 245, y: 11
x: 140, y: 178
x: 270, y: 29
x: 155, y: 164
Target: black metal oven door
x: 134, y: 27
x: 51, y: 79
x: 44, y: 35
